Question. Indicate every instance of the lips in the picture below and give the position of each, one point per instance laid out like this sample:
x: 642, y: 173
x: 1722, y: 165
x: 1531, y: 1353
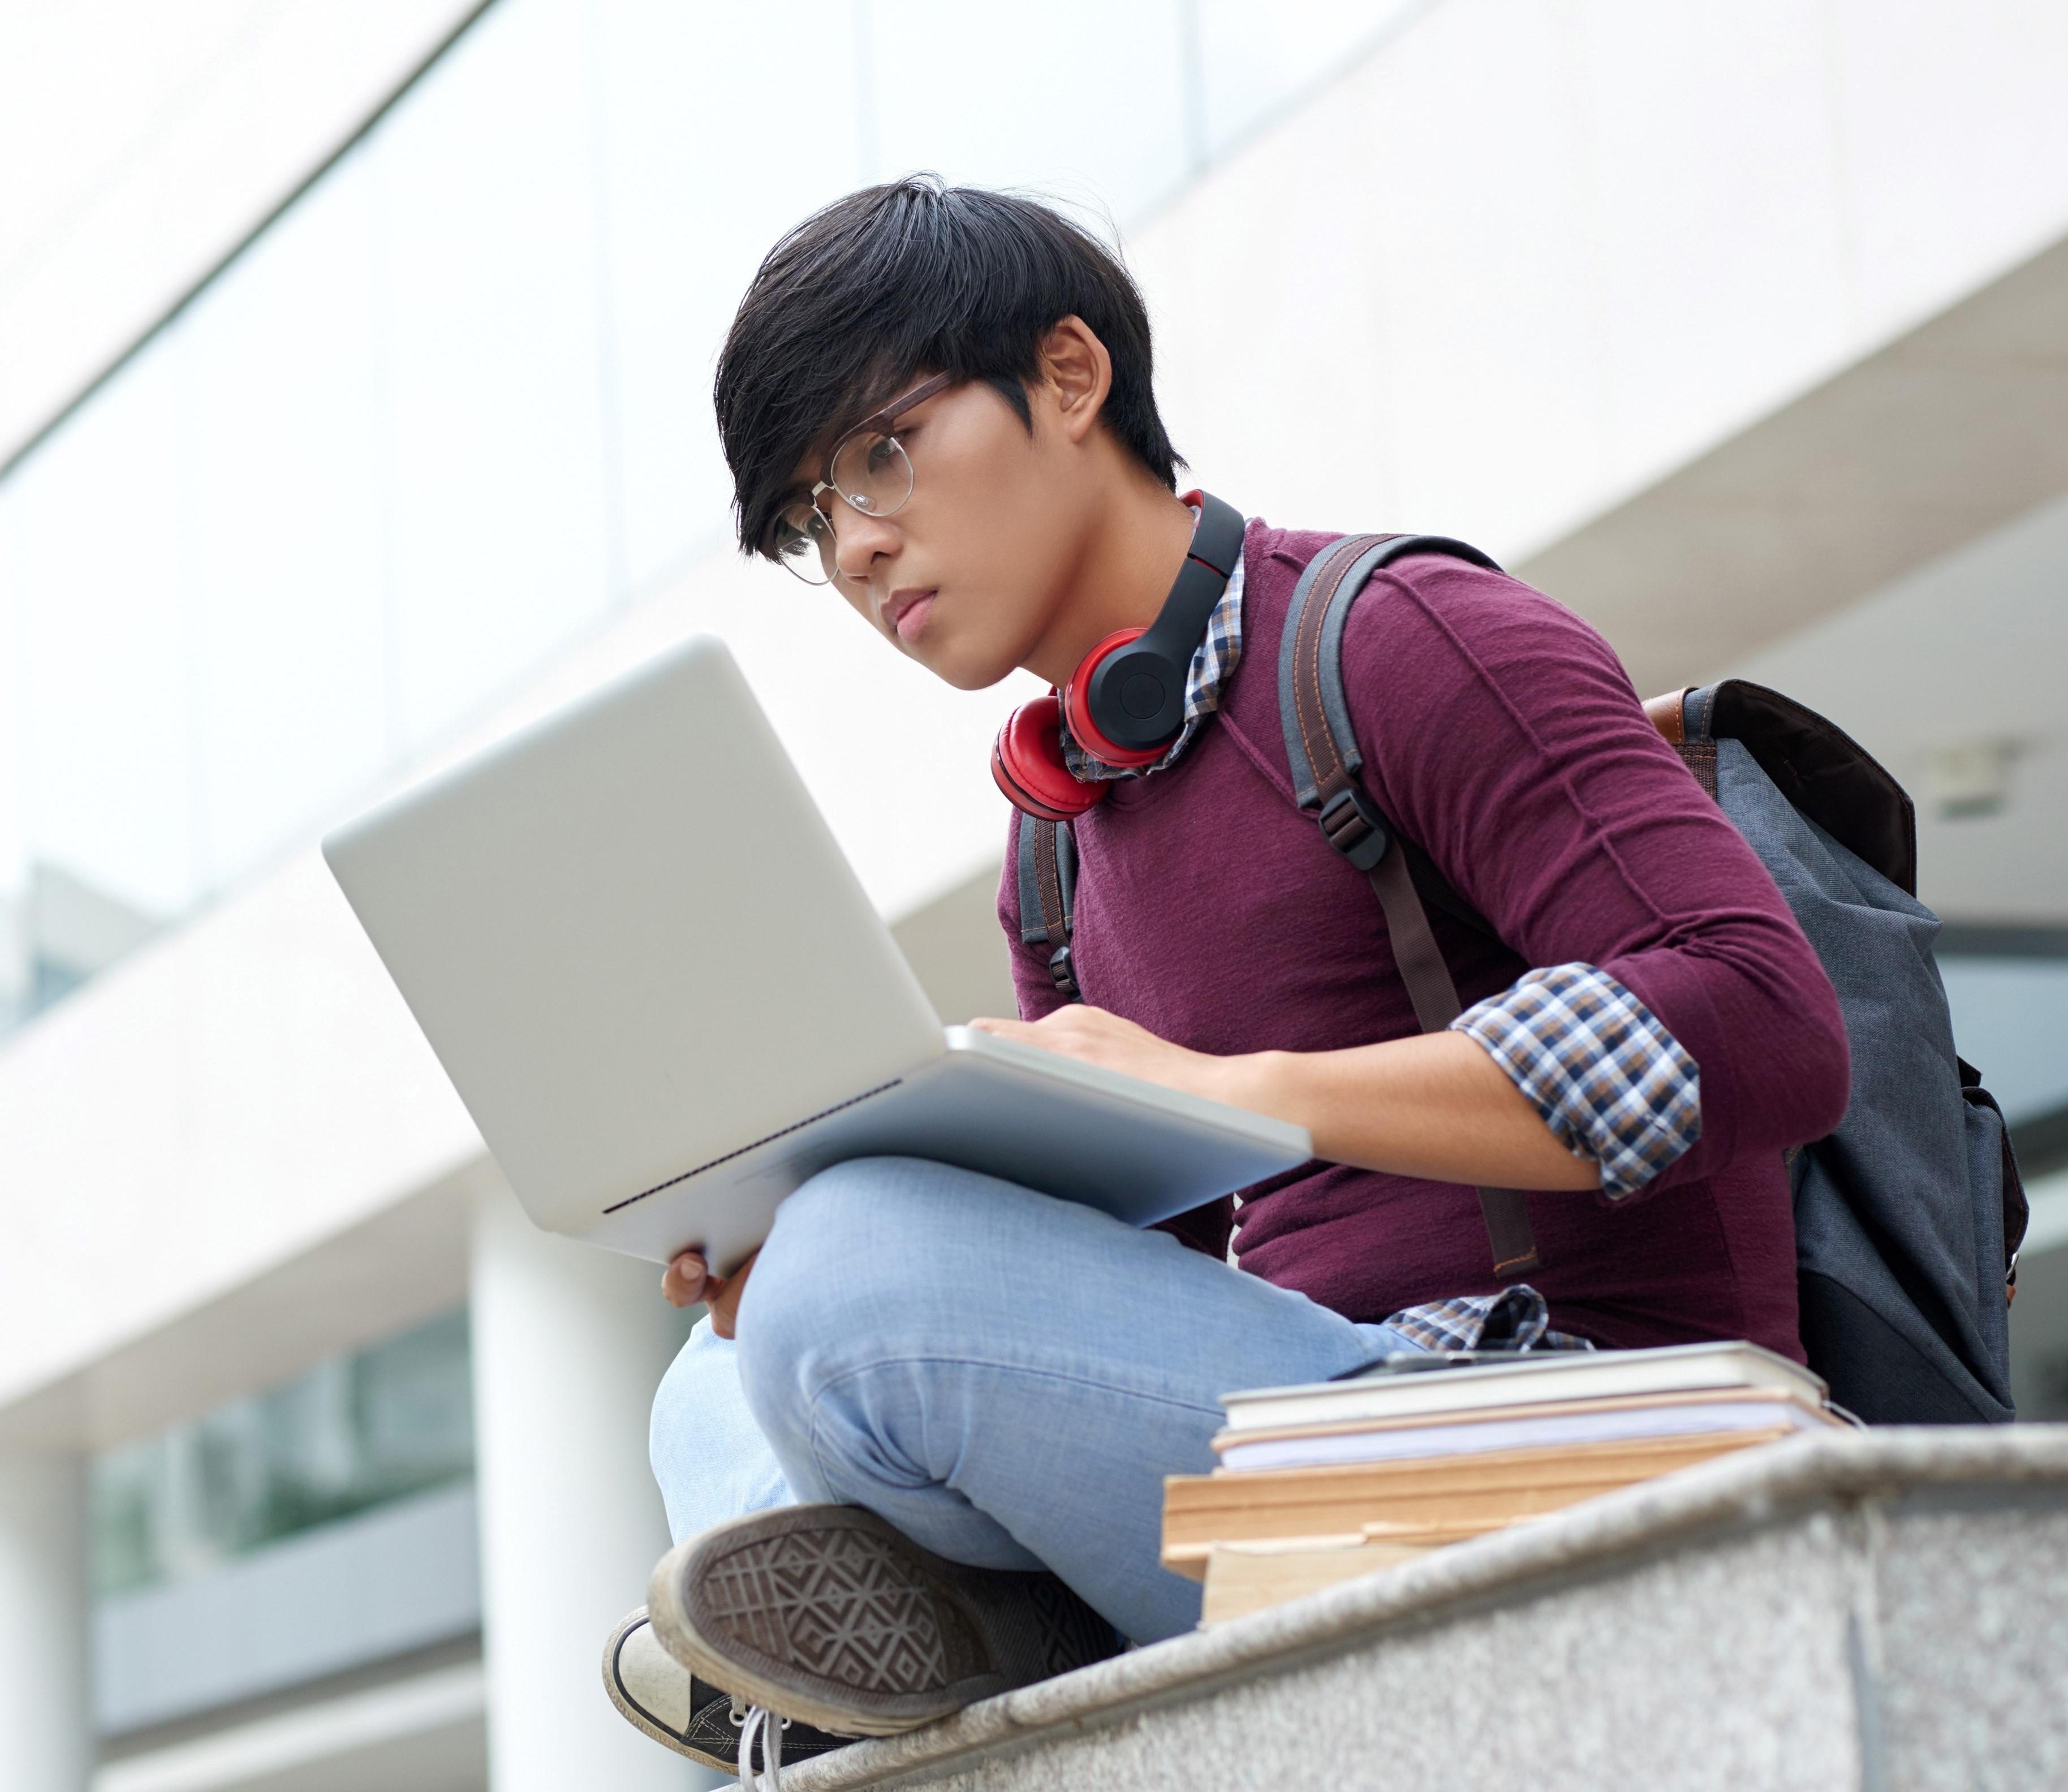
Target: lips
x: 907, y: 612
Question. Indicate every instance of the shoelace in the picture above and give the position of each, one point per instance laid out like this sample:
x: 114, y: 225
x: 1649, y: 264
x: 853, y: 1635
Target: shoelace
x: 756, y: 1721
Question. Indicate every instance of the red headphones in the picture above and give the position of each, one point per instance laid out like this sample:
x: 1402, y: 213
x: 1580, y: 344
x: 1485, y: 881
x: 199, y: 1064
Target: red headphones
x: 1126, y: 701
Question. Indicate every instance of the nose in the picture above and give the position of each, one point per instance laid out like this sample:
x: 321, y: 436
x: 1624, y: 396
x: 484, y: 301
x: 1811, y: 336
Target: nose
x: 859, y: 538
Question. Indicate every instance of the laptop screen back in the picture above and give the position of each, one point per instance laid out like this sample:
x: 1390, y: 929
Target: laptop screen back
x: 632, y: 940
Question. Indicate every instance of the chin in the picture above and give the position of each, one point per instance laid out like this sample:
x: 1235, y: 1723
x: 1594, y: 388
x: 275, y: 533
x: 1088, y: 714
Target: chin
x: 964, y: 676
x: 962, y: 665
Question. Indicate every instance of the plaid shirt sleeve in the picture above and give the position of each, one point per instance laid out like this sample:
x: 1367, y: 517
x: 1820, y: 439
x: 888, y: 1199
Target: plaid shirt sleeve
x: 1610, y: 1081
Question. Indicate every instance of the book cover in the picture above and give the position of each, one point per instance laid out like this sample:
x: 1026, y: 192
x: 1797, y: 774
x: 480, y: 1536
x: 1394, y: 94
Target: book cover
x: 1526, y: 1380
x: 1461, y: 1435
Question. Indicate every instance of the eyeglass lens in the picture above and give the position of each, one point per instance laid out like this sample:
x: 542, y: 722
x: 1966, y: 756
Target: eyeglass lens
x: 804, y: 543
x: 872, y: 472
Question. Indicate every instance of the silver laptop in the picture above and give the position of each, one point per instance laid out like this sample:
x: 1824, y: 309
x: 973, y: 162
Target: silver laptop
x: 666, y: 1001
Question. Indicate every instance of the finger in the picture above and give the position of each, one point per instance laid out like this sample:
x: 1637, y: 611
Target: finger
x: 1071, y: 1017
x: 1019, y: 1029
x: 725, y: 1311
x: 724, y: 1300
x: 684, y: 1284
x: 706, y: 1292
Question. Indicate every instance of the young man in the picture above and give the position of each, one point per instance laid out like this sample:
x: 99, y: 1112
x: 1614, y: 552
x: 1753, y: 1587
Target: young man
x: 938, y: 402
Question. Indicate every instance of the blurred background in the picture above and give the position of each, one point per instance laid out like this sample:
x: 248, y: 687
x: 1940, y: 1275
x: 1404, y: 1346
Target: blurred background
x: 355, y: 359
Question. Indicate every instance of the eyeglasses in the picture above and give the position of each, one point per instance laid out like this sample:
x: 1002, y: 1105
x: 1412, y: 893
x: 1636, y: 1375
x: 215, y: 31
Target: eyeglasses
x: 868, y: 468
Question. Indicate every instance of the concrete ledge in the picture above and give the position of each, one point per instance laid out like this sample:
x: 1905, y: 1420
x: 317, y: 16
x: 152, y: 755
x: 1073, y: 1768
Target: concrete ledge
x: 1883, y: 1609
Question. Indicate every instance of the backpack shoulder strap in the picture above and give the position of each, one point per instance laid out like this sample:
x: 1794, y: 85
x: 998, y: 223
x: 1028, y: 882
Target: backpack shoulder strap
x: 1310, y: 653
x: 1325, y: 661
x: 1322, y: 750
x: 1046, y: 854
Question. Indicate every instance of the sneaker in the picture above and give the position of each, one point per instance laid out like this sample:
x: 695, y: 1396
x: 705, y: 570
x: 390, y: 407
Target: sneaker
x: 656, y: 1694
x: 832, y: 1614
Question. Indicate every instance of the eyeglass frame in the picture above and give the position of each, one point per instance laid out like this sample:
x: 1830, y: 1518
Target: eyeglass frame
x: 883, y: 420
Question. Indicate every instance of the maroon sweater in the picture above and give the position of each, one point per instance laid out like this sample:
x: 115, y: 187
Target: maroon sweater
x: 1500, y: 733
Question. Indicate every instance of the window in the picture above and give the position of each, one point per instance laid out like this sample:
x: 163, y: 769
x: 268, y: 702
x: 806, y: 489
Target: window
x: 353, y: 1433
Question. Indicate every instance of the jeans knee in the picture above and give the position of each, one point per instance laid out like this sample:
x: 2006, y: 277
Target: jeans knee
x: 857, y: 1231
x: 848, y: 1252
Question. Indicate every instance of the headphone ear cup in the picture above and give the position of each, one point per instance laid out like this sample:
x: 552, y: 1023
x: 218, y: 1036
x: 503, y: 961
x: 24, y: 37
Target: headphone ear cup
x: 1027, y: 763
x: 1076, y: 707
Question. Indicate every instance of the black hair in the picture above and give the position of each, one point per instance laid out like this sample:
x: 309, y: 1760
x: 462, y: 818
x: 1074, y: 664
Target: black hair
x: 900, y: 280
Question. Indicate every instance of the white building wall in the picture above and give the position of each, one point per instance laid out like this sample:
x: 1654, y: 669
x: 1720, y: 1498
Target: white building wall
x: 1537, y: 252
x: 135, y: 159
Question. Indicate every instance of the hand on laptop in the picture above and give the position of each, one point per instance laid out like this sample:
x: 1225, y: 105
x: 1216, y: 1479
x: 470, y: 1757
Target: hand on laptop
x: 688, y: 1280
x: 1099, y: 1037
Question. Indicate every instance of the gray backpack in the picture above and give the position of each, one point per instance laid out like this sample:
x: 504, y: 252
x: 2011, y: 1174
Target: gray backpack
x: 1908, y: 1217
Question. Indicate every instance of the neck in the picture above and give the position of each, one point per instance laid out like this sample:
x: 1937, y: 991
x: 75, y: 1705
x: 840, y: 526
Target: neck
x: 1128, y: 560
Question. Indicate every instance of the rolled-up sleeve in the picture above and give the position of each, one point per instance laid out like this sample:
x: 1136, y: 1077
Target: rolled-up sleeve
x: 1613, y: 1085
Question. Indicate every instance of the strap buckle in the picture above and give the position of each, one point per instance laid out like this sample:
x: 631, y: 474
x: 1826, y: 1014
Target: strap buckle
x: 1355, y: 829
x: 1065, y: 979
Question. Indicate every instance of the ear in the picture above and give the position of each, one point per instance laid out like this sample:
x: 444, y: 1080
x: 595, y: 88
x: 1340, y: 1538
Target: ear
x: 1077, y: 371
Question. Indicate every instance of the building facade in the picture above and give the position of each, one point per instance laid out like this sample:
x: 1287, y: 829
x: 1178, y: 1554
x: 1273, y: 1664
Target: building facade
x: 1743, y: 330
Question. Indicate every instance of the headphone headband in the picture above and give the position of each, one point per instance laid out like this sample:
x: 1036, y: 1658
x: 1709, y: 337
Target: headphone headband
x: 1209, y: 564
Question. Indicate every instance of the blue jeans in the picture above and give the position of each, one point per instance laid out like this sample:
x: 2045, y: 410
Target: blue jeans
x: 1007, y: 1377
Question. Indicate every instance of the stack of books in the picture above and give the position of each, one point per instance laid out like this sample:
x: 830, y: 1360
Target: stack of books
x: 1322, y: 1483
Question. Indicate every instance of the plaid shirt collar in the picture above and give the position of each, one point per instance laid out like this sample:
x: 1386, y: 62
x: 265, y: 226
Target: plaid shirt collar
x: 1213, y: 665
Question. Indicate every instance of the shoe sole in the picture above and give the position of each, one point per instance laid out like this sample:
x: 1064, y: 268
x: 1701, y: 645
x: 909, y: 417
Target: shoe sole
x: 830, y: 1615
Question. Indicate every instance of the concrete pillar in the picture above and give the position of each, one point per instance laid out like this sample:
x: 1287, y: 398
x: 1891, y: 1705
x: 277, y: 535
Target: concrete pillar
x: 569, y: 1342
x: 47, y: 1742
